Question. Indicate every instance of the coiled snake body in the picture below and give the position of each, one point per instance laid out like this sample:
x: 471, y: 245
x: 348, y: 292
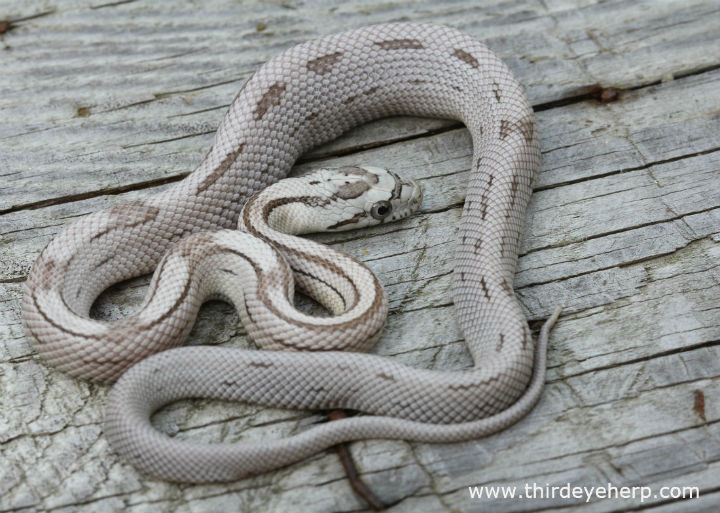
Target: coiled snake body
x: 307, y: 95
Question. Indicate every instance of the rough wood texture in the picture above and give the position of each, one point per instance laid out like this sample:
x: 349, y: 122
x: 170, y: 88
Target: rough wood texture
x: 103, y: 103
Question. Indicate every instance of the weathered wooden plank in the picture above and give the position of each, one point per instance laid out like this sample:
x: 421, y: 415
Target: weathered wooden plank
x: 609, y: 143
x: 133, y: 104
x: 623, y: 230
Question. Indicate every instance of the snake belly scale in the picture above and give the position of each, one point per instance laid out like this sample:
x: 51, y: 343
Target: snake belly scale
x: 305, y: 96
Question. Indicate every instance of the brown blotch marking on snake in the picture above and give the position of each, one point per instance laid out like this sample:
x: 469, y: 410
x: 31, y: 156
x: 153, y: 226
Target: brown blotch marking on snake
x: 477, y: 245
x: 260, y: 365
x: 271, y: 98
x: 507, y: 241
x: 504, y: 128
x: 314, y: 182
x: 499, y: 345
x: 514, y: 187
x: 382, y: 375
x: 496, y: 90
x: 351, y: 190
x: 311, y: 116
x: 507, y: 287
x: 483, y: 284
x: 400, y: 44
x: 324, y: 64
x: 457, y: 88
x: 370, y: 91
x: 128, y: 215
x: 466, y: 57
x: 525, y: 126
x: 526, y: 337
x: 417, y: 81
x: 484, y: 197
x: 353, y: 220
x: 462, y: 276
x: 350, y: 99
x: 222, y: 168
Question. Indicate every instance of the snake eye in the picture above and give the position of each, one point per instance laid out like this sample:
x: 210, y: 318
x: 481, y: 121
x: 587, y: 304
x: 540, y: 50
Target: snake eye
x: 381, y: 210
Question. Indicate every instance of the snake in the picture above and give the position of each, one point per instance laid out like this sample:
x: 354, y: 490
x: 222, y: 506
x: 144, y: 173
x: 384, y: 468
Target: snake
x: 305, y: 96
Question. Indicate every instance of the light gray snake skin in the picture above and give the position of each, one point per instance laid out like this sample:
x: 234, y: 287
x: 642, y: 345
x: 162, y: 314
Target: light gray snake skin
x: 307, y: 95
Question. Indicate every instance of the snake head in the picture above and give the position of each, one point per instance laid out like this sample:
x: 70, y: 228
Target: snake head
x: 329, y: 200
x: 365, y: 196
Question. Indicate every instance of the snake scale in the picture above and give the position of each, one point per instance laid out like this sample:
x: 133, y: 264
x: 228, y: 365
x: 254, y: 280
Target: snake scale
x: 307, y: 95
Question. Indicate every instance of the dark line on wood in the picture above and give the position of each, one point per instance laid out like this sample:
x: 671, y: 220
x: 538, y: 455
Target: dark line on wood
x: 350, y: 150
x: 627, y: 169
x: 112, y: 4
x: 94, y: 194
x: 33, y: 16
x: 661, y: 354
x: 160, y: 141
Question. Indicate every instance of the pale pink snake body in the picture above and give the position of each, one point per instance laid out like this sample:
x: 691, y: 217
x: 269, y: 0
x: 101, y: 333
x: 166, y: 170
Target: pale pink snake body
x: 307, y: 95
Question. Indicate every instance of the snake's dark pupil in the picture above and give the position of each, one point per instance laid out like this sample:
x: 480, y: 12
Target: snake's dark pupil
x: 382, y: 210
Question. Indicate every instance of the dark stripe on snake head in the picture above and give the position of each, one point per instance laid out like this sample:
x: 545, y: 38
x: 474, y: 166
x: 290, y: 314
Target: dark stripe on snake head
x: 397, y: 190
x: 311, y: 201
x: 353, y: 220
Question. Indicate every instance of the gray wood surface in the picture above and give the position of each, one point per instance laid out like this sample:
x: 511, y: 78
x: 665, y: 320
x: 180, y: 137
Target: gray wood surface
x: 102, y: 103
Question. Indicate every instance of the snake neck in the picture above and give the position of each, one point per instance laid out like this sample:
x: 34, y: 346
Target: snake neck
x: 337, y: 281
